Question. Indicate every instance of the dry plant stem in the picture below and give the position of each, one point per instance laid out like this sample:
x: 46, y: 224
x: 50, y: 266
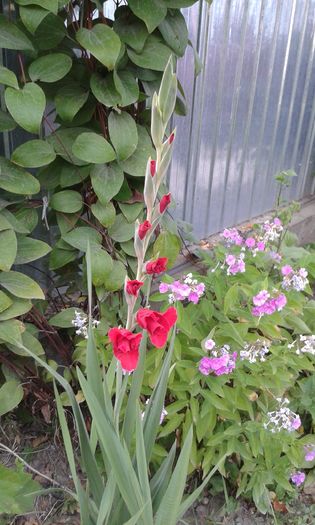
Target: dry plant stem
x: 35, y: 471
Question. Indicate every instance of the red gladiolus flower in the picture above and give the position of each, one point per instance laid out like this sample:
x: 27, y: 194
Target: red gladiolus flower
x: 164, y: 202
x: 153, y: 167
x: 143, y: 229
x: 171, y: 138
x: 132, y: 287
x: 157, y: 324
x: 158, y: 266
x: 126, y: 347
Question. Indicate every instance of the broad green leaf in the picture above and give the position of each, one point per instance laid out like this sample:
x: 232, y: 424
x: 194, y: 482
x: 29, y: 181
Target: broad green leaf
x: 5, y: 301
x: 49, y: 5
x: 62, y: 141
x: 50, y: 68
x: 127, y: 86
x: 116, y: 278
x: 123, y: 134
x: 131, y: 211
x: 11, y: 37
x: 66, y: 222
x: 121, y: 230
x: 137, y: 163
x: 102, y: 42
x: 17, y: 488
x: 80, y: 237
x: 71, y: 175
x: 154, y: 55
x: 174, y: 31
x: 15, y: 223
x: 105, y: 213
x: 151, y: 12
x: 69, y: 100
x: 10, y: 331
x: 59, y: 258
x: 29, y: 249
x: 7, y: 123
x: 129, y: 248
x: 107, y: 180
x: 8, y: 78
x: 32, y: 16
x: 21, y: 285
x: 104, y: 89
x: 130, y: 29
x: 16, y: 180
x: 102, y: 265
x: 26, y: 106
x: 8, y: 248
x: 167, y: 245
x: 4, y: 223
x: 93, y: 148
x: 11, y: 394
x: 64, y: 318
x: 30, y: 342
x: 67, y: 201
x: 33, y: 154
x: 28, y: 217
x: 50, y: 32
x: 17, y: 308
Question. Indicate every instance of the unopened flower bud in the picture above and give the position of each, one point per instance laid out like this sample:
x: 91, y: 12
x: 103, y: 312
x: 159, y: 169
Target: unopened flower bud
x: 164, y: 202
x: 153, y: 167
x: 143, y: 229
x: 171, y: 138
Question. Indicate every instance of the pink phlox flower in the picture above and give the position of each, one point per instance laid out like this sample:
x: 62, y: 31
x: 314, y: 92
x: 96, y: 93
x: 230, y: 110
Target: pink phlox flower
x: 261, y: 298
x: 261, y: 246
x: 286, y: 269
x: 250, y: 242
x: 280, y: 302
x: 163, y: 288
x: 298, y: 478
x: 309, y: 452
x: 193, y: 297
x: 230, y: 260
x: 209, y: 344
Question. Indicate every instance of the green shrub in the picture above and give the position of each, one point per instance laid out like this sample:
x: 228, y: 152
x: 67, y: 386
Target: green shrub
x: 228, y: 411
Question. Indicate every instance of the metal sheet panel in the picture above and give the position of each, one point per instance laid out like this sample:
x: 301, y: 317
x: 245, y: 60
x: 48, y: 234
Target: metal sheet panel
x: 251, y: 110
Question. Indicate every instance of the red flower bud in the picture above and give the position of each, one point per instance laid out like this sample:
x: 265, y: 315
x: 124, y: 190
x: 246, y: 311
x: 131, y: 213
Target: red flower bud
x: 164, y: 202
x: 143, y: 229
x: 153, y: 167
x: 171, y: 138
x: 132, y: 287
x: 157, y: 266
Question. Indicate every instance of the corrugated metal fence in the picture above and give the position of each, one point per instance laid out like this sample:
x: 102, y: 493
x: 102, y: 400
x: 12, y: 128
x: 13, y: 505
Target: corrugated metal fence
x: 251, y: 110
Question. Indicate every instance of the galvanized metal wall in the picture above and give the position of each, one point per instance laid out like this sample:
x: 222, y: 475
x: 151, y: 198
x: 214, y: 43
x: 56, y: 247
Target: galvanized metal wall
x: 251, y: 110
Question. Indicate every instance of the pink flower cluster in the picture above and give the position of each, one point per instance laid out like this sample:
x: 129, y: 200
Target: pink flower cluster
x: 298, y: 478
x: 264, y: 304
x: 272, y: 229
x: 294, y: 280
x: 232, y: 236
x: 222, y: 361
x: 187, y: 288
x: 235, y: 264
